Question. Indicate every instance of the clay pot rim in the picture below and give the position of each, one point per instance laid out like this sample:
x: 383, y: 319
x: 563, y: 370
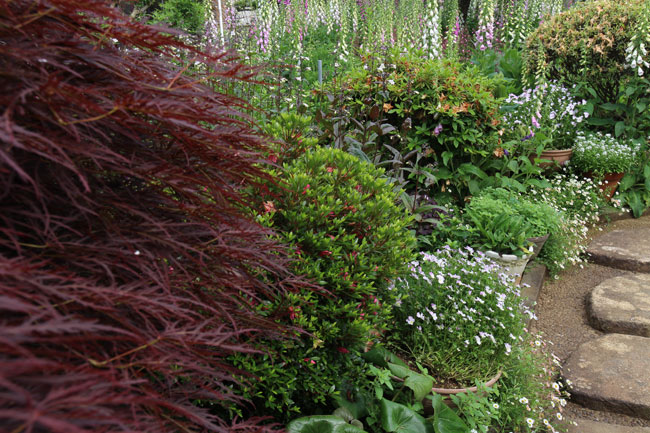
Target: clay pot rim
x: 448, y: 391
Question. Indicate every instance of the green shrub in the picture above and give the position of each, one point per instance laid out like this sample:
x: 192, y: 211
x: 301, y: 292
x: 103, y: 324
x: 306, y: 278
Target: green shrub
x: 339, y: 216
x: 587, y: 43
x: 433, y: 122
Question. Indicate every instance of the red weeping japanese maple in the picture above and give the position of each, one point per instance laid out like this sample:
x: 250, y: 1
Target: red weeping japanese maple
x: 128, y: 270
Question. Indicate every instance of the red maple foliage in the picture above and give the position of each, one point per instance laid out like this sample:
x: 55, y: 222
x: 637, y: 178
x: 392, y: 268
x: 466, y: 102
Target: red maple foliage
x: 127, y: 268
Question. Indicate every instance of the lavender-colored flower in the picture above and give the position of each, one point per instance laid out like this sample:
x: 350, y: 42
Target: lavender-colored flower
x: 437, y: 130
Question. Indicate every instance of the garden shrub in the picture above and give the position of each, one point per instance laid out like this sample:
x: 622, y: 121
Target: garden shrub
x: 435, y: 123
x: 587, y: 44
x: 127, y: 267
x: 339, y: 215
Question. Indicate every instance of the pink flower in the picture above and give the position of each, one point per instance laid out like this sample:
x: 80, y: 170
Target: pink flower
x: 535, y: 122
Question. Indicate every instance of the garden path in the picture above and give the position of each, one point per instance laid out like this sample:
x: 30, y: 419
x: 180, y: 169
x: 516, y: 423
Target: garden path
x: 610, y: 370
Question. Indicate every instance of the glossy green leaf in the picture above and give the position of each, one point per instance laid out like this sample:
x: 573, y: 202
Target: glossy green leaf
x: 396, y: 417
x: 321, y: 424
x: 400, y: 371
x: 619, y: 128
x: 445, y: 419
x: 420, y: 384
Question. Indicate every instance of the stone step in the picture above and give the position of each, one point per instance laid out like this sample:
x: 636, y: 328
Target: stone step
x: 623, y: 249
x: 612, y: 373
x: 587, y: 426
x: 622, y: 305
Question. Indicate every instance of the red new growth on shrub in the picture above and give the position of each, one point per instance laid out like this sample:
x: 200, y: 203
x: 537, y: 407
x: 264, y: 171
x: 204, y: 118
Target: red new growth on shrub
x: 116, y: 167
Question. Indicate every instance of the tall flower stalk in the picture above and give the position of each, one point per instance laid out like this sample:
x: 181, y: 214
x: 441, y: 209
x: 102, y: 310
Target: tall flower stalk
x: 431, y: 41
x: 636, y: 53
x: 485, y: 31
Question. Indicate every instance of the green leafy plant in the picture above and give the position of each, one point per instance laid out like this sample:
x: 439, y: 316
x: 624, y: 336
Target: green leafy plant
x: 580, y: 202
x: 531, y: 398
x: 339, y: 217
x: 438, y: 120
x: 634, y: 189
x: 456, y: 313
x: 396, y: 405
x: 505, y: 220
x: 587, y: 44
x: 545, y: 116
x: 601, y: 153
x: 292, y: 134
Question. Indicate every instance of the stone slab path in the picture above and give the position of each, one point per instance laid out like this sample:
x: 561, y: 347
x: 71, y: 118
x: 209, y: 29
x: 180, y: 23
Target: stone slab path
x: 587, y: 426
x: 621, y: 305
x: 611, y: 372
x: 623, y: 249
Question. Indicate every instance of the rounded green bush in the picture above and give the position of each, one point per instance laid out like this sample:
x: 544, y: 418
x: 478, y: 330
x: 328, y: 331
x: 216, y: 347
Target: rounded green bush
x: 339, y: 216
x: 587, y: 44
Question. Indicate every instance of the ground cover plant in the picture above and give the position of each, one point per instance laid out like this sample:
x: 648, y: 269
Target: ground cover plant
x: 127, y: 265
x: 457, y: 314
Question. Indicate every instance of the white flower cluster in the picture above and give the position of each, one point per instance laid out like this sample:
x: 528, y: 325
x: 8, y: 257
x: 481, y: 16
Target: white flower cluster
x: 636, y: 52
x: 602, y: 153
x: 431, y: 40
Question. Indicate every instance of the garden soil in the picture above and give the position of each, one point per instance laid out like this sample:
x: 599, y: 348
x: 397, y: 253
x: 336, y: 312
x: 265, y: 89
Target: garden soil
x: 562, y: 317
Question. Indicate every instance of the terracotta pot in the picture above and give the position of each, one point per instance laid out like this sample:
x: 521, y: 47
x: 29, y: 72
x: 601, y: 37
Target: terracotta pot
x: 609, y: 183
x: 557, y: 158
x: 428, y: 409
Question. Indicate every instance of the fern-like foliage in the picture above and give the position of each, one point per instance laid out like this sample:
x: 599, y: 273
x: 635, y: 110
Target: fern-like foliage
x: 127, y: 266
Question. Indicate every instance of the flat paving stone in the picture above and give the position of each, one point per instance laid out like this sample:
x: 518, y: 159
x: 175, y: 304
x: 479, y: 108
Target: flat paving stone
x: 621, y: 305
x: 587, y: 426
x: 622, y: 249
x: 612, y: 373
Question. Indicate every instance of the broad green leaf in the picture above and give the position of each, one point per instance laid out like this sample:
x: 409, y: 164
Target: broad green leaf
x: 445, y: 420
x: 348, y: 428
x: 399, y: 418
x: 472, y: 169
x: 611, y: 107
x: 420, y: 384
x: 315, y: 424
x: 635, y: 203
x: 646, y: 171
x: 619, y: 128
x: 600, y: 121
x: 446, y: 156
x: 400, y: 371
x: 628, y: 181
x: 641, y: 106
x: 380, y: 356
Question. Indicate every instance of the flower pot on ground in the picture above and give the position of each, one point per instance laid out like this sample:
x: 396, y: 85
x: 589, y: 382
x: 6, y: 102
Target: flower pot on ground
x: 538, y: 243
x: 511, y: 264
x: 603, y: 157
x: 608, y: 182
x: 555, y: 157
x: 545, y: 119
